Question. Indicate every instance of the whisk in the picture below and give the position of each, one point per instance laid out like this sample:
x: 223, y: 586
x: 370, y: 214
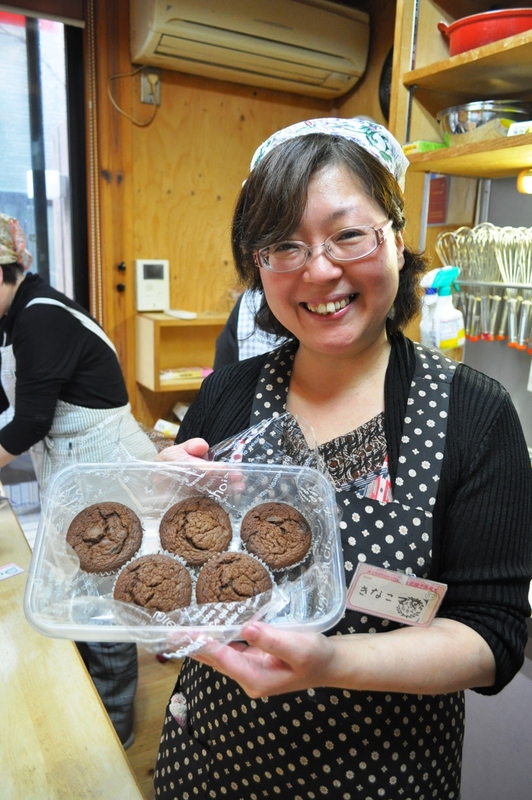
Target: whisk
x: 485, y: 236
x: 525, y: 277
x: 468, y: 245
x: 509, y: 255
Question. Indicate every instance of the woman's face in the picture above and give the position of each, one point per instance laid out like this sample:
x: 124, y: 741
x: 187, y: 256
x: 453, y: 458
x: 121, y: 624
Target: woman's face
x: 362, y: 292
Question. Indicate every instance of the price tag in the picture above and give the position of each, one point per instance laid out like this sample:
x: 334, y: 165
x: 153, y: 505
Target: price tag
x: 8, y: 570
x: 394, y: 595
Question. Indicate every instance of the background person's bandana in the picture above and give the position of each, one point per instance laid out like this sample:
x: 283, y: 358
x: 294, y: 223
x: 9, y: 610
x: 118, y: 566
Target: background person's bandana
x: 13, y: 243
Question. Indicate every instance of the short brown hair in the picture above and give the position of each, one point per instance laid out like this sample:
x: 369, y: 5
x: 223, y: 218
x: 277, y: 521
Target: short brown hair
x: 273, y: 199
x: 12, y: 272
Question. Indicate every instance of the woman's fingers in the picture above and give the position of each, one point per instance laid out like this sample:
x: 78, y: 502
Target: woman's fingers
x: 192, y: 452
x: 274, y: 662
x: 186, y: 451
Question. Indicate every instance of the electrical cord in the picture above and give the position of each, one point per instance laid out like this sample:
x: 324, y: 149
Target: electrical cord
x: 153, y: 80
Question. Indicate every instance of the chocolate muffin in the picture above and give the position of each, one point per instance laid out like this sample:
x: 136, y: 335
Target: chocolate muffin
x: 105, y: 536
x: 277, y: 533
x: 156, y: 582
x: 229, y: 577
x: 196, y: 529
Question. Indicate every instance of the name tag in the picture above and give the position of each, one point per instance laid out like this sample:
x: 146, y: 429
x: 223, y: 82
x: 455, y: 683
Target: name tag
x: 394, y: 595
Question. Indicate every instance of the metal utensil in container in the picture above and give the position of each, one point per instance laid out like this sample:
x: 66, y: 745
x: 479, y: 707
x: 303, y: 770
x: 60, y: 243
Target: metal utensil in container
x: 481, y: 120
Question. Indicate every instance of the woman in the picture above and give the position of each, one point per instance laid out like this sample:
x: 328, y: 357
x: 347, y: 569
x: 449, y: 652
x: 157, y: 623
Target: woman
x: 61, y: 375
x: 432, y: 475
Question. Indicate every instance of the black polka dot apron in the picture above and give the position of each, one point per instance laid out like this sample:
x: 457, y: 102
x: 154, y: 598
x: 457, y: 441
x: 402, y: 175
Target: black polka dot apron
x: 332, y: 743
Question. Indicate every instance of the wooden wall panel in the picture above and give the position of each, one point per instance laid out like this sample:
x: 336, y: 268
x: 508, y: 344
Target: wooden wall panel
x: 110, y: 192
x: 189, y: 167
x: 168, y: 190
x: 364, y: 97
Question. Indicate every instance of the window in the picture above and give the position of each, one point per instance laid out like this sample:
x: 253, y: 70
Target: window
x: 42, y: 173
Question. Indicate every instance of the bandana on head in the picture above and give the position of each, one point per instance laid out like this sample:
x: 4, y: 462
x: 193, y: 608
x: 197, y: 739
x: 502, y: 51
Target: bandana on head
x: 13, y: 243
x: 373, y: 137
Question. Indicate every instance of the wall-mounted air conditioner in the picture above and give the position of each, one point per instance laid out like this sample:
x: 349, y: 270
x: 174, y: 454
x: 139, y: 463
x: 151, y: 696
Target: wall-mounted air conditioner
x: 311, y: 47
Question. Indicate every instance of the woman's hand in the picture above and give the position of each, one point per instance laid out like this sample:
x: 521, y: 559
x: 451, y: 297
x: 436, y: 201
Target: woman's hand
x: 191, y: 453
x: 273, y: 662
x: 191, y: 450
x: 446, y: 656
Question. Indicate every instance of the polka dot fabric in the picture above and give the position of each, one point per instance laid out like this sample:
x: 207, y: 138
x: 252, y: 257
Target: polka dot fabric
x: 331, y: 743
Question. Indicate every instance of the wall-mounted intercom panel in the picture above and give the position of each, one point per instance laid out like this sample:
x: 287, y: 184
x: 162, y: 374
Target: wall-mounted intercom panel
x: 152, y: 276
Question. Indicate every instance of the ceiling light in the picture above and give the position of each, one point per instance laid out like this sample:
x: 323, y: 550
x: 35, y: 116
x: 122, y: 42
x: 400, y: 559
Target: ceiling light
x: 524, y: 181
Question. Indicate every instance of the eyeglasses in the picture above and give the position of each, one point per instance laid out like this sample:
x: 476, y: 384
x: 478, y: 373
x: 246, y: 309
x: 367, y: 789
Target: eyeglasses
x: 348, y: 244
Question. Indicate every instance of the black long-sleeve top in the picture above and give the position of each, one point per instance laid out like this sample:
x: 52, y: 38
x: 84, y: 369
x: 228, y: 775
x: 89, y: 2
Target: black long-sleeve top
x: 482, y: 534
x: 57, y: 358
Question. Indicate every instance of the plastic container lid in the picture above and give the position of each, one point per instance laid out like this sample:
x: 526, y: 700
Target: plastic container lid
x: 65, y: 602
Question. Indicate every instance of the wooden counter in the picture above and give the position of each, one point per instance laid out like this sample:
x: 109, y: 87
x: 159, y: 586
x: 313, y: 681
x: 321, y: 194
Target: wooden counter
x: 56, y: 740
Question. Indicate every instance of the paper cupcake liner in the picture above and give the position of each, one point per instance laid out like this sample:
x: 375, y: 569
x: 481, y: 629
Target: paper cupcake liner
x: 159, y: 552
x: 233, y: 602
x: 231, y: 523
x: 108, y: 573
x: 103, y: 573
x: 295, y: 564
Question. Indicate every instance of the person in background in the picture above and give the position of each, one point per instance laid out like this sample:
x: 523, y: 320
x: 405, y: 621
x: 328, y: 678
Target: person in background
x: 373, y: 708
x: 61, y: 375
x: 241, y: 336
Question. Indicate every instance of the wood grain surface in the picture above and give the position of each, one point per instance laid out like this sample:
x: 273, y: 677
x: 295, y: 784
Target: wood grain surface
x: 56, y: 739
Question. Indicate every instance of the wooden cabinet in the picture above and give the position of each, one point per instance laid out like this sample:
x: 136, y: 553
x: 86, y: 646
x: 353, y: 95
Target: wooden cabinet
x: 164, y: 342
x: 428, y: 80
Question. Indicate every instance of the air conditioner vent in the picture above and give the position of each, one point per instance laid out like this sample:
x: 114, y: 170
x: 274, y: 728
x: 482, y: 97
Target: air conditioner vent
x: 312, y: 50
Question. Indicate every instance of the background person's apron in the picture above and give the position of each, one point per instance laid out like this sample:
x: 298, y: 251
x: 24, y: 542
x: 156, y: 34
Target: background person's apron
x: 79, y: 434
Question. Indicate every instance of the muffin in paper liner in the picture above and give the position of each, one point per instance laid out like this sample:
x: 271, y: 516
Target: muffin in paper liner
x: 277, y: 533
x: 219, y: 579
x: 84, y: 522
x: 174, y: 584
x: 196, y: 528
x: 188, y: 626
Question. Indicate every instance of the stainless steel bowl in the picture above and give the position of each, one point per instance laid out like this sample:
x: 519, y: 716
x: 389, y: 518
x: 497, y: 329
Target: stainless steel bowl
x: 470, y: 117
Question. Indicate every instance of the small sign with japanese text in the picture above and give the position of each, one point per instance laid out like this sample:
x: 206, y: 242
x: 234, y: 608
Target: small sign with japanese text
x: 8, y: 570
x: 394, y: 595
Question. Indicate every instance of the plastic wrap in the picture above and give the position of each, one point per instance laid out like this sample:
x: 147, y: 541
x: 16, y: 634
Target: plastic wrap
x: 62, y: 600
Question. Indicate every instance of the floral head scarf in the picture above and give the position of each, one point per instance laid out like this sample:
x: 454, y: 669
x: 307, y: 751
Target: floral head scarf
x: 13, y: 243
x: 373, y: 137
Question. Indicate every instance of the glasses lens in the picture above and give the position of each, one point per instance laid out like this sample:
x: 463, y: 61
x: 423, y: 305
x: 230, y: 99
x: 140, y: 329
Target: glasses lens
x: 352, y: 243
x: 284, y: 256
x: 348, y: 244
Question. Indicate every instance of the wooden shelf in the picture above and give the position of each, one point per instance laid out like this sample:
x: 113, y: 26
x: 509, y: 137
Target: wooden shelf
x: 166, y: 320
x: 500, y: 158
x: 179, y: 386
x: 500, y: 70
x: 164, y: 342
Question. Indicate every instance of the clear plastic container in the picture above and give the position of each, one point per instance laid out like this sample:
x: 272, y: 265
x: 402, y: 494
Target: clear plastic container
x: 63, y: 601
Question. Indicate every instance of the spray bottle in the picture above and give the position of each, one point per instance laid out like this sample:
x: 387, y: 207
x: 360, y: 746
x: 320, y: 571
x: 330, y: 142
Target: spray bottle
x: 448, y: 321
x: 428, y: 304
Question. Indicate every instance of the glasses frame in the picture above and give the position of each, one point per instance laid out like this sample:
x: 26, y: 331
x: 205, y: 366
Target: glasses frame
x: 380, y: 237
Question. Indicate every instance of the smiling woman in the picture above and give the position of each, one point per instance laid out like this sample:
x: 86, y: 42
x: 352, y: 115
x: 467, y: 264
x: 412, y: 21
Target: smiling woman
x: 420, y: 450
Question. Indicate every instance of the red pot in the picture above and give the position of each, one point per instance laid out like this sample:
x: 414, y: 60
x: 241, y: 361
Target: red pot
x: 479, y: 29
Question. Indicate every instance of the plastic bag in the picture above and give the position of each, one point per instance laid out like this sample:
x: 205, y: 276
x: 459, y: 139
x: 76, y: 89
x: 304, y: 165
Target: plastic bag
x: 283, y: 439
